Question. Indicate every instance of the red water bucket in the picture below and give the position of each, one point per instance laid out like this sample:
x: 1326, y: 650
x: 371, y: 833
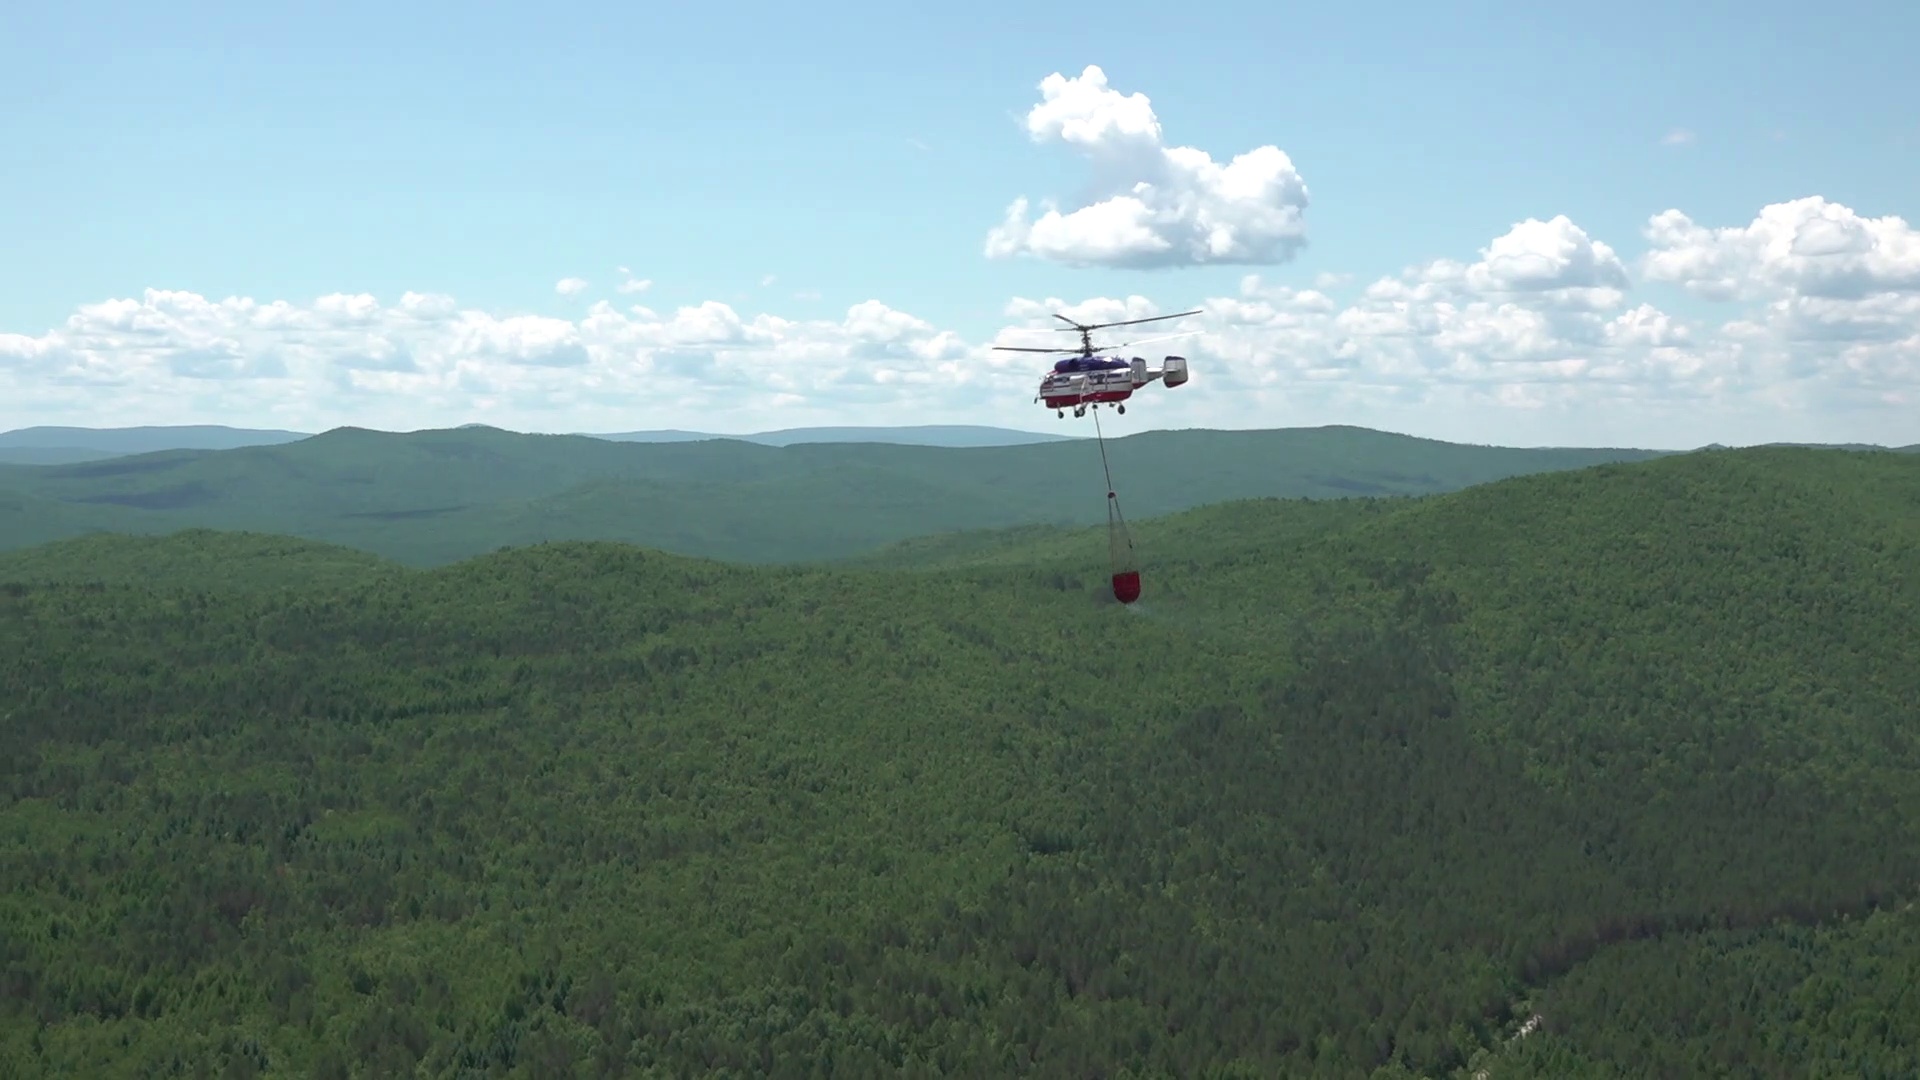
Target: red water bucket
x: 1126, y: 586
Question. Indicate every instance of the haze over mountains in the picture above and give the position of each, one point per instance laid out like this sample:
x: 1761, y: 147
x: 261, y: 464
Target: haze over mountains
x: 430, y: 497
x: 922, y: 435
x: 66, y: 445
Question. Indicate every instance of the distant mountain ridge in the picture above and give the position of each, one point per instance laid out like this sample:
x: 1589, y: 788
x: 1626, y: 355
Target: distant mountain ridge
x: 69, y: 445
x: 954, y: 435
x: 140, y: 440
x: 66, y: 445
x: 55, y: 445
x: 429, y: 497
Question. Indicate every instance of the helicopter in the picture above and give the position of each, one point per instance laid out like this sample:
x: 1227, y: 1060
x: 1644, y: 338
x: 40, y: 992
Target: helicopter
x: 1084, y: 380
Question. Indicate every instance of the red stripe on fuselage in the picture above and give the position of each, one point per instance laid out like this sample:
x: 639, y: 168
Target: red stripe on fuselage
x: 1101, y: 397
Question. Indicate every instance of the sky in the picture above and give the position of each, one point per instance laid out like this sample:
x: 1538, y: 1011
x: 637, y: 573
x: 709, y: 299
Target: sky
x: 1637, y: 224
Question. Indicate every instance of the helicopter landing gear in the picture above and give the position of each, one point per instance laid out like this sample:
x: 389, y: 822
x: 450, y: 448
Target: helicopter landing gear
x: 1122, y: 408
x: 1061, y: 413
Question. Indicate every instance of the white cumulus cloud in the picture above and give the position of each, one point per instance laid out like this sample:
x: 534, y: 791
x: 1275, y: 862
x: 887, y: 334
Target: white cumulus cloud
x: 1827, y: 290
x: 1810, y: 247
x: 1542, y: 336
x: 570, y: 286
x: 427, y: 361
x: 1153, y: 205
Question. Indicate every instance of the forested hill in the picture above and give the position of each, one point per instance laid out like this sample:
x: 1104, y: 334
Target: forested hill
x: 432, y: 497
x: 1356, y: 789
x: 196, y: 560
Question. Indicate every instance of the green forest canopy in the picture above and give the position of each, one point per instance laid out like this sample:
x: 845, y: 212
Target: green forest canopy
x: 1357, y: 788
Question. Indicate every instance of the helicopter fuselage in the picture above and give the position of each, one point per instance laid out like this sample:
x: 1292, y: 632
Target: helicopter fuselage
x: 1087, y: 380
x: 1066, y: 389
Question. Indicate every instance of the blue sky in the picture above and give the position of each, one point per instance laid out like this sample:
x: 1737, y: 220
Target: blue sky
x: 856, y: 153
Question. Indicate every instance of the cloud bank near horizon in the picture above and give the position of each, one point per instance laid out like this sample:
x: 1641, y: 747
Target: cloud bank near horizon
x: 1822, y: 316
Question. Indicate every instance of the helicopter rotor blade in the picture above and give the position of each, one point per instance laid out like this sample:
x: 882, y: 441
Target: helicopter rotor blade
x: 1151, y: 340
x: 1128, y: 322
x: 1029, y: 348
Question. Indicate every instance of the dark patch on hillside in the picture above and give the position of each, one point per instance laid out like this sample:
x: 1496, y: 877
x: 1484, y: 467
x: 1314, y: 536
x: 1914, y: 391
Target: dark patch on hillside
x: 461, y: 451
x: 1426, y: 481
x: 404, y: 515
x: 134, y: 466
x: 1359, y: 487
x: 178, y: 497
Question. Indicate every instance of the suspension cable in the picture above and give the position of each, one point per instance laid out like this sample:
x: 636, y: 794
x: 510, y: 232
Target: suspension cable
x: 1114, y: 516
x: 1102, y: 439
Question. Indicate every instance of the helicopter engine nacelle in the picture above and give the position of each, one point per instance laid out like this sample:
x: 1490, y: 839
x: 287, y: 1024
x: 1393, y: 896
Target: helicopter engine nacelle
x: 1139, y: 372
x: 1173, y: 371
